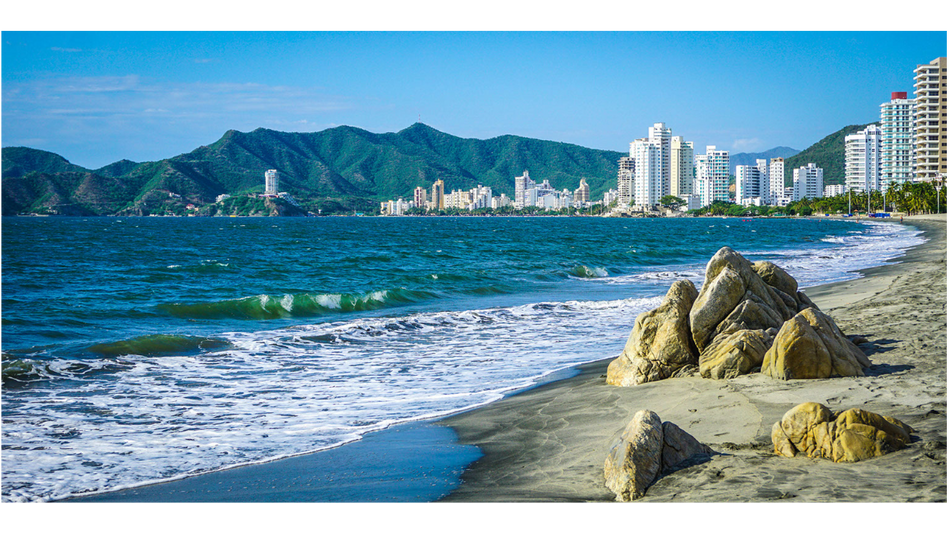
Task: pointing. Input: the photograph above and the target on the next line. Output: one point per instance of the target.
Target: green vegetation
(828, 154)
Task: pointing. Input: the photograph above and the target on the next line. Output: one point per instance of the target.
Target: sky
(96, 97)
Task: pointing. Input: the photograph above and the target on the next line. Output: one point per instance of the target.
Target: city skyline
(96, 97)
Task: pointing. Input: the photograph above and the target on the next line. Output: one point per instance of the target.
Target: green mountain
(337, 169)
(748, 158)
(828, 154)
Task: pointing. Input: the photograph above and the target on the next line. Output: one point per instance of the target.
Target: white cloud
(743, 145)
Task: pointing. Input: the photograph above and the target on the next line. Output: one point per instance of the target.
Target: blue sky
(97, 97)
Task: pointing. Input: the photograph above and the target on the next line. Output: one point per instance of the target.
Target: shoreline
(548, 443)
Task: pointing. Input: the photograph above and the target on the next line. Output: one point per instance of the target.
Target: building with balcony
(271, 182)
(862, 159)
(808, 182)
(930, 120)
(897, 140)
(682, 168)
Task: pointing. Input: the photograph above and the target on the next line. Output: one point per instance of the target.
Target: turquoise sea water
(145, 349)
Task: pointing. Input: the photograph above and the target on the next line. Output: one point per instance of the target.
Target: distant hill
(337, 169)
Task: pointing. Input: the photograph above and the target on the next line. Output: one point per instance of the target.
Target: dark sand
(549, 443)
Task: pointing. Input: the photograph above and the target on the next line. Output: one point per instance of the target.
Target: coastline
(549, 444)
(531, 440)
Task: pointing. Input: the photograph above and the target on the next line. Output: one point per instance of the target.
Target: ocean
(137, 350)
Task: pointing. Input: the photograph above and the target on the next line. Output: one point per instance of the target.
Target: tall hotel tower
(438, 195)
(647, 176)
(522, 184)
(776, 177)
(862, 159)
(420, 197)
(930, 88)
(662, 138)
(271, 182)
(712, 170)
(682, 169)
(897, 137)
(624, 180)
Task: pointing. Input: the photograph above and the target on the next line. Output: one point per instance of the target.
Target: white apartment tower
(751, 182)
(271, 182)
(420, 197)
(647, 176)
(776, 180)
(522, 184)
(862, 162)
(582, 194)
(930, 124)
(808, 182)
(713, 168)
(662, 137)
(897, 140)
(682, 170)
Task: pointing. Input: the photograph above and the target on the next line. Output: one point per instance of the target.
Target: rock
(804, 302)
(775, 277)
(635, 460)
(660, 343)
(647, 448)
(811, 346)
(735, 354)
(853, 435)
(731, 280)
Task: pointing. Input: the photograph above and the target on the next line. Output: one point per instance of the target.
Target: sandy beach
(548, 444)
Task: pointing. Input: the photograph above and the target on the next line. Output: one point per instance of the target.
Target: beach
(548, 443)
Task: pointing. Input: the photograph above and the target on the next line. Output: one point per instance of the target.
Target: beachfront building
(752, 186)
(502, 201)
(624, 180)
(897, 140)
(834, 190)
(647, 175)
(522, 184)
(862, 163)
(681, 170)
(930, 119)
(438, 195)
(582, 194)
(420, 197)
(776, 182)
(808, 182)
(271, 182)
(661, 137)
(610, 197)
(480, 198)
(712, 169)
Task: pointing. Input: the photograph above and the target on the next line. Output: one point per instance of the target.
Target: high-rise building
(438, 195)
(271, 182)
(420, 197)
(751, 183)
(582, 194)
(624, 180)
(522, 184)
(713, 168)
(647, 176)
(681, 170)
(808, 182)
(862, 160)
(776, 180)
(930, 124)
(662, 137)
(897, 140)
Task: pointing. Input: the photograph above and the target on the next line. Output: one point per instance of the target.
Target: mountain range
(335, 170)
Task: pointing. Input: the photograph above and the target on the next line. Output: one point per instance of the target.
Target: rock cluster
(647, 448)
(849, 436)
(747, 316)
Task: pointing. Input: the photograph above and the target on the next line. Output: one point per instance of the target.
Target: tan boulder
(811, 429)
(647, 448)
(734, 354)
(731, 280)
(660, 343)
(811, 346)
(775, 277)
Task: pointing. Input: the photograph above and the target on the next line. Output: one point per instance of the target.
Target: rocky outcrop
(730, 327)
(811, 346)
(647, 448)
(661, 342)
(849, 436)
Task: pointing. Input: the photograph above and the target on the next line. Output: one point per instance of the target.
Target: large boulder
(850, 436)
(647, 448)
(660, 343)
(735, 354)
(736, 295)
(810, 345)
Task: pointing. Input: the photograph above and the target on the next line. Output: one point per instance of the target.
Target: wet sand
(549, 444)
